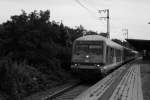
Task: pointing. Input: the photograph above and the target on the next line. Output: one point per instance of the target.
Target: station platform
(129, 82)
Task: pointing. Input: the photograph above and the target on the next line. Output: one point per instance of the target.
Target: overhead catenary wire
(89, 11)
(86, 8)
(82, 5)
(91, 6)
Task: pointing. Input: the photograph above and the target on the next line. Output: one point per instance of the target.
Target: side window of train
(115, 52)
(118, 55)
(107, 54)
(112, 52)
(107, 50)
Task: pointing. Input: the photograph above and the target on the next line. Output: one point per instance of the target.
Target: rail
(61, 92)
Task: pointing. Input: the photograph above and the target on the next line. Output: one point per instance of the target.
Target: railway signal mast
(107, 18)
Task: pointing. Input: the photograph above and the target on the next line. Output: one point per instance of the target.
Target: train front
(87, 58)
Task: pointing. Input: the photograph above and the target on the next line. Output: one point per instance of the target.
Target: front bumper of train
(90, 69)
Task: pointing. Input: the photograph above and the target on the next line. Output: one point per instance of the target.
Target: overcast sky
(133, 15)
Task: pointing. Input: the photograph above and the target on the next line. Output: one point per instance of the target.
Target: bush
(34, 53)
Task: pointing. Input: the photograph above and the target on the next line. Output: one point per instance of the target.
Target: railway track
(68, 93)
(71, 94)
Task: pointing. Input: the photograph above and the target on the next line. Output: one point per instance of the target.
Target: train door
(115, 56)
(118, 55)
(107, 55)
(112, 56)
(104, 53)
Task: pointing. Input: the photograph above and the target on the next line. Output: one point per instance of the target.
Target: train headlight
(87, 56)
(75, 64)
(98, 65)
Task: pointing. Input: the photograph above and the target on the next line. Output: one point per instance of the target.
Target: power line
(83, 6)
(92, 13)
(92, 6)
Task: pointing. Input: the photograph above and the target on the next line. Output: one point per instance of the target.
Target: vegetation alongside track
(35, 53)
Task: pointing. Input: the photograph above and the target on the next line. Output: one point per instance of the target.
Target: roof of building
(140, 44)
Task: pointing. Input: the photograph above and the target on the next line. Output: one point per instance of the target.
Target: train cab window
(80, 49)
(90, 47)
(96, 49)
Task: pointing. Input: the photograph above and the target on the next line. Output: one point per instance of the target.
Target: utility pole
(107, 18)
(108, 24)
(125, 32)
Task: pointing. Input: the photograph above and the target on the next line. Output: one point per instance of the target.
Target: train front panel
(87, 57)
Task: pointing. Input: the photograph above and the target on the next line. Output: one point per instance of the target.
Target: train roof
(91, 38)
(100, 38)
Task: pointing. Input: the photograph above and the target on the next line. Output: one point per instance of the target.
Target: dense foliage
(34, 53)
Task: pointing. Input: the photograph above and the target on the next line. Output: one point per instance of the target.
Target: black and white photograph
(74, 50)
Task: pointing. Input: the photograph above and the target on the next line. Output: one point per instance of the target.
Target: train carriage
(97, 55)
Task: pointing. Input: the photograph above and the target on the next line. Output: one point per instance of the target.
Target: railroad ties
(122, 84)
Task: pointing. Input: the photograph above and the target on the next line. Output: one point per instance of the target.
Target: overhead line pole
(108, 23)
(125, 32)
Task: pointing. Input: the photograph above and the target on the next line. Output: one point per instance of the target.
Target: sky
(133, 15)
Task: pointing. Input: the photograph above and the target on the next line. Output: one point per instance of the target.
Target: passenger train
(95, 56)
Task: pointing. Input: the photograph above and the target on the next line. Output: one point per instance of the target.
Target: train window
(118, 55)
(112, 52)
(95, 49)
(95, 46)
(107, 55)
(92, 47)
(79, 49)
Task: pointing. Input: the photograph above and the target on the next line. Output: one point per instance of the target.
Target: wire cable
(83, 6)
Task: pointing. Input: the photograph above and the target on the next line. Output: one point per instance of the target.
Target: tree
(117, 41)
(104, 34)
(91, 33)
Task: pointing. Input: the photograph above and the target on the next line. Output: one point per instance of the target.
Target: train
(94, 56)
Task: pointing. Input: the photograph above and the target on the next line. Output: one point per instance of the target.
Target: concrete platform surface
(145, 76)
(126, 83)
